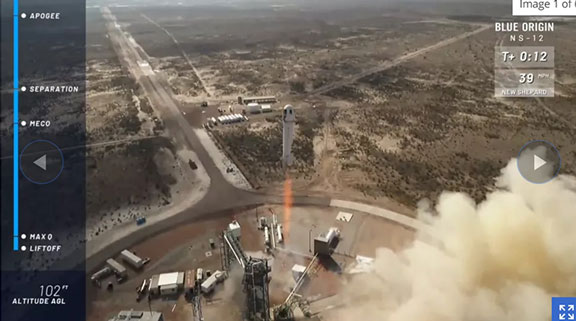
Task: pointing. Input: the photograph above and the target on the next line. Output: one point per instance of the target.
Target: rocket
(288, 120)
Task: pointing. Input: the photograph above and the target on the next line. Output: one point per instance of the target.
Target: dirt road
(204, 87)
(159, 97)
(393, 63)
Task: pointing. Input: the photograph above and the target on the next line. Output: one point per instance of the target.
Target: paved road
(222, 198)
(393, 63)
(161, 99)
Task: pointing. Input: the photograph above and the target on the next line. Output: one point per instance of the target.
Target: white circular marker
(23, 123)
(23, 16)
(23, 236)
(23, 88)
(23, 248)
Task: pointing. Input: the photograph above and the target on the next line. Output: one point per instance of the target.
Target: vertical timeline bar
(16, 148)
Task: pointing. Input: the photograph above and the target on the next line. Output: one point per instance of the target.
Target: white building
(167, 283)
(254, 108)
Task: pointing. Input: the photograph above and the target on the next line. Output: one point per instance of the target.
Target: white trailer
(118, 268)
(132, 259)
(101, 274)
(208, 285)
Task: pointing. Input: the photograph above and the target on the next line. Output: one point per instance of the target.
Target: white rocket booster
(288, 120)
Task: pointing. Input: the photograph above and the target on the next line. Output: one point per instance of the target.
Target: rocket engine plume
(287, 206)
(499, 260)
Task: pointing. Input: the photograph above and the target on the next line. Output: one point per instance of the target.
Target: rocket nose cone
(288, 113)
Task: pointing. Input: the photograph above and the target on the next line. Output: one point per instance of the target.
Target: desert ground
(134, 168)
(420, 118)
(393, 107)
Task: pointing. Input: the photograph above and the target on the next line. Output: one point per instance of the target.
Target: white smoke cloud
(502, 259)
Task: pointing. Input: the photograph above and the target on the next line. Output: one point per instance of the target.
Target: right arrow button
(539, 162)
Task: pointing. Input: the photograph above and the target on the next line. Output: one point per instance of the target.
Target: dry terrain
(414, 129)
(246, 52)
(133, 167)
(406, 108)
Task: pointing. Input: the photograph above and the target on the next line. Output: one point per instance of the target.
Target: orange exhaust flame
(287, 206)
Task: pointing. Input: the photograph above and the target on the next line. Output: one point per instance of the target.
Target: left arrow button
(41, 162)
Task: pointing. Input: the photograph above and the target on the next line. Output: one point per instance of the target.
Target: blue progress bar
(15, 158)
